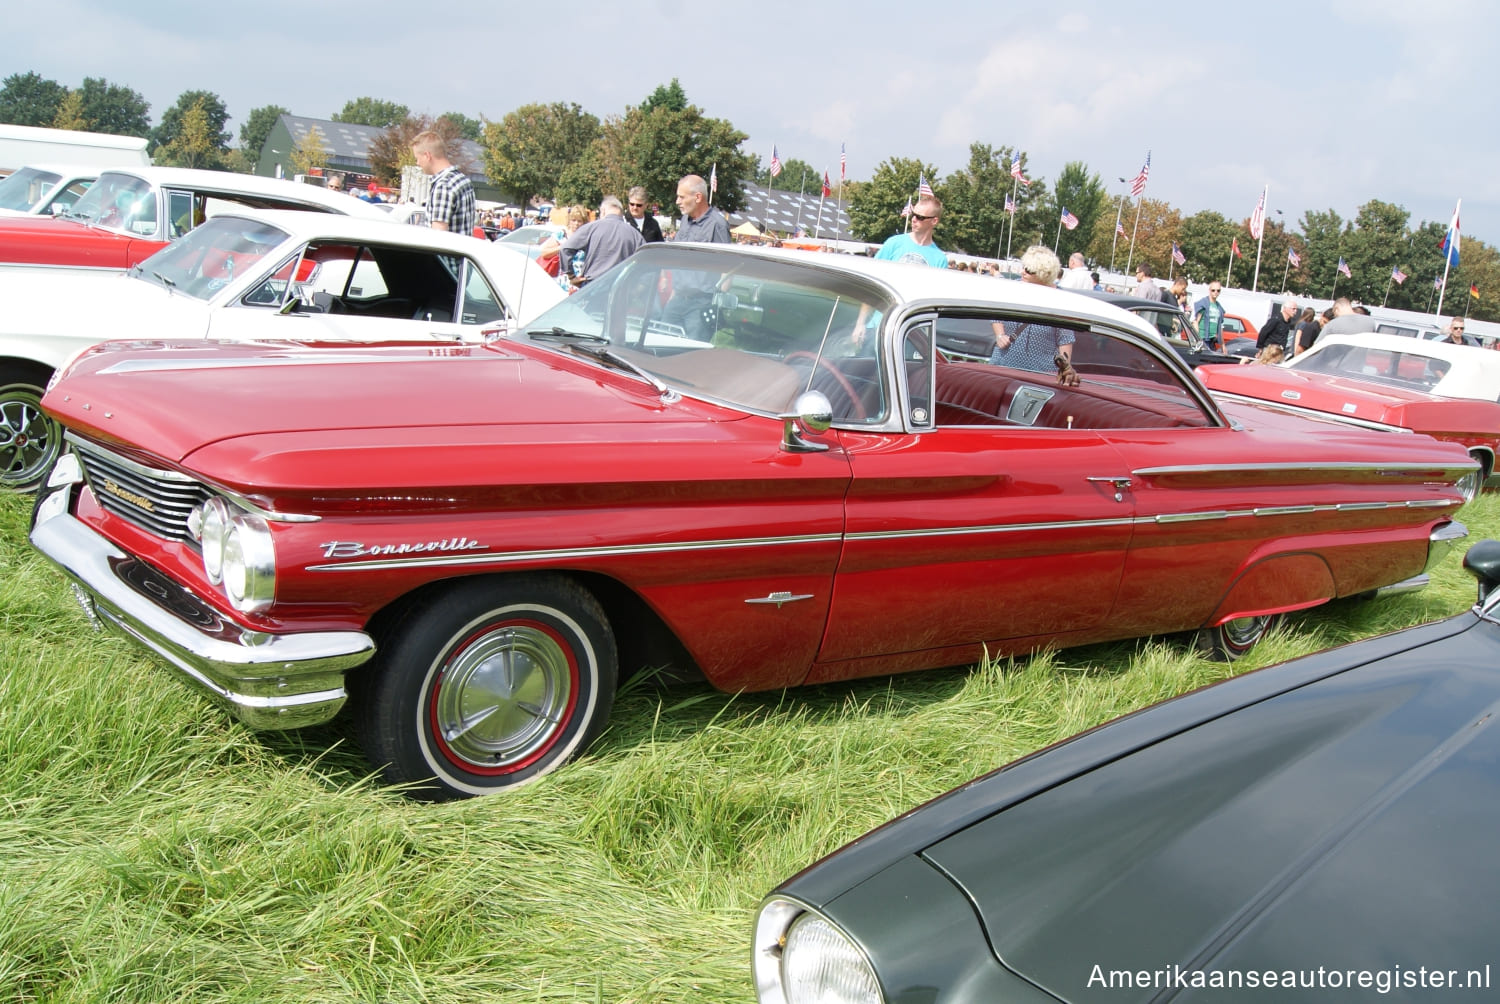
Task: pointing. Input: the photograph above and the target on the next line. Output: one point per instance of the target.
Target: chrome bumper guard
(267, 681)
(1444, 538)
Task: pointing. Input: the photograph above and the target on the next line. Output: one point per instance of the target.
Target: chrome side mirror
(811, 414)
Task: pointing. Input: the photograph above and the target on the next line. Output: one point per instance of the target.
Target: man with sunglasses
(917, 247)
(640, 219)
(1208, 318)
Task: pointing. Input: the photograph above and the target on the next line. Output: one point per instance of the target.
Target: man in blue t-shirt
(917, 247)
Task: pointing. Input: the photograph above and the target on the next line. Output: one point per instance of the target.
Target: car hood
(50, 240)
(84, 307)
(1308, 829)
(279, 411)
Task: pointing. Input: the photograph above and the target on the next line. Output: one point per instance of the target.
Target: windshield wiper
(557, 334)
(165, 281)
(620, 362)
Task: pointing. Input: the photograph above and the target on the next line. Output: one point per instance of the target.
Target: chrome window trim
(1304, 412)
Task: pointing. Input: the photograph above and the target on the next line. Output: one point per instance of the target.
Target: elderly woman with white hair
(1027, 345)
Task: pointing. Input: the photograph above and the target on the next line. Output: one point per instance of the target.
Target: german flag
(1474, 291)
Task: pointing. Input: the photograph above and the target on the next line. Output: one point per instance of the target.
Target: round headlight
(802, 958)
(249, 567)
(212, 530)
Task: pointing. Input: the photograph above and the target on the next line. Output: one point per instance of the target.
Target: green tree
(669, 96)
(195, 141)
(875, 206)
(70, 113)
(30, 99)
(1082, 194)
(974, 217)
(113, 108)
(1323, 234)
(172, 124)
(528, 150)
(372, 112)
(309, 152)
(470, 129)
(256, 129)
(391, 150)
(793, 171)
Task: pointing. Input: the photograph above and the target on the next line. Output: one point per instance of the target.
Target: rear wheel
(1233, 638)
(29, 440)
(488, 686)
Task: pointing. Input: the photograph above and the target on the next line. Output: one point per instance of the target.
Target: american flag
(1015, 170)
(1293, 257)
(1398, 276)
(1234, 248)
(1119, 228)
(923, 189)
(1138, 183)
(907, 210)
(1177, 255)
(1068, 219)
(1010, 204)
(1258, 218)
(1344, 269)
(775, 162)
(713, 180)
(843, 162)
(1437, 282)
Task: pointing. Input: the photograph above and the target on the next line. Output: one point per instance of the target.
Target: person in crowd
(371, 193)
(1076, 275)
(1145, 287)
(640, 218)
(1454, 333)
(1346, 320)
(1279, 326)
(1270, 355)
(1208, 318)
(1309, 328)
(1179, 294)
(1026, 345)
(917, 247)
(1098, 286)
(701, 222)
(335, 182)
(450, 200)
(551, 256)
(603, 244)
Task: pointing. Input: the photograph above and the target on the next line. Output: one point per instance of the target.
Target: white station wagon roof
(250, 184)
(1472, 372)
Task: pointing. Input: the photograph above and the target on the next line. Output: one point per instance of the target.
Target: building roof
(349, 144)
(771, 209)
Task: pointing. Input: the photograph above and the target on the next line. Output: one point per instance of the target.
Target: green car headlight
(803, 958)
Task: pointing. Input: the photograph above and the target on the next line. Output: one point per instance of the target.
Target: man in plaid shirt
(450, 200)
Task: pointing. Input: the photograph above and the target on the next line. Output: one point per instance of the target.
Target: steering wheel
(855, 403)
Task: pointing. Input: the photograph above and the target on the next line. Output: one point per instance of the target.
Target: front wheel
(29, 440)
(487, 686)
(1232, 639)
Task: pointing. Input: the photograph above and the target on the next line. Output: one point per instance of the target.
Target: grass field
(154, 851)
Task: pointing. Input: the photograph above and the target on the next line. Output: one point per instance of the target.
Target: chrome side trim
(1334, 467)
(1306, 412)
(780, 597)
(267, 681)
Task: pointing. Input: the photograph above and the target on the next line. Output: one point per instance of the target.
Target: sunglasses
(637, 205)
(924, 219)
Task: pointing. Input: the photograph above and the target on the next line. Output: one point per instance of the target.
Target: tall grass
(153, 850)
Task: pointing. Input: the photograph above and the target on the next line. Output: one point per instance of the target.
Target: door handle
(1121, 485)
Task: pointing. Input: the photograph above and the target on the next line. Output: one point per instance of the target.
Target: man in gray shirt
(700, 221)
(605, 242)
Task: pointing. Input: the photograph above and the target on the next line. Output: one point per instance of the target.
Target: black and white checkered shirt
(451, 201)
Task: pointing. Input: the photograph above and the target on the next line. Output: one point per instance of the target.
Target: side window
(68, 196)
(367, 282)
(917, 360)
(183, 213)
(480, 304)
(1120, 384)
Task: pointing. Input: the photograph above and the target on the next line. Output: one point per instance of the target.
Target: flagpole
(1135, 230)
(1448, 256)
(1229, 267)
(1115, 240)
(800, 196)
(1058, 239)
(1467, 300)
(1010, 231)
(1430, 294)
(1171, 263)
(1389, 279)
(1285, 272)
(818, 226)
(1255, 282)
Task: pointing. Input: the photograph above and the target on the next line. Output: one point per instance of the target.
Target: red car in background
(1380, 381)
(131, 213)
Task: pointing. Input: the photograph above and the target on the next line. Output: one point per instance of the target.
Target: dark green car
(1321, 830)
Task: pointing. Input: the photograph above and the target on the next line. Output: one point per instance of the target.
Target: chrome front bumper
(268, 681)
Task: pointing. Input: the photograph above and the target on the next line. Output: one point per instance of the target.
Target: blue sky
(1329, 102)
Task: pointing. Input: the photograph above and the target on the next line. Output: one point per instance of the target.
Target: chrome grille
(157, 501)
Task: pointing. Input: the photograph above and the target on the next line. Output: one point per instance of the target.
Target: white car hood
(49, 314)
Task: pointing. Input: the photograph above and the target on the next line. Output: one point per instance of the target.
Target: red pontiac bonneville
(130, 213)
(747, 461)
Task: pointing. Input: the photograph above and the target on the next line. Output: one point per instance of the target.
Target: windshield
(1402, 369)
(120, 202)
(749, 332)
(26, 187)
(207, 259)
